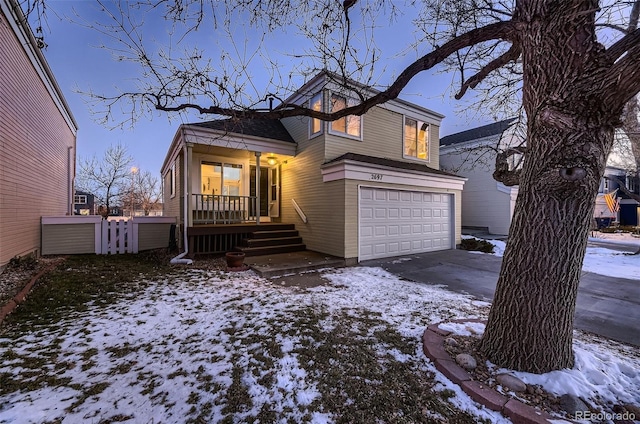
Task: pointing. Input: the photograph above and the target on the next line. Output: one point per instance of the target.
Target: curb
(519, 413)
(12, 304)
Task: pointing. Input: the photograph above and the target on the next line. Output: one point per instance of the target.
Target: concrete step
(271, 250)
(279, 241)
(293, 264)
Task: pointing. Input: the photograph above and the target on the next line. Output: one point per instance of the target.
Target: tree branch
(511, 55)
(496, 31)
(503, 174)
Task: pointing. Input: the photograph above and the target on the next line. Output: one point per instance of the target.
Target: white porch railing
(223, 209)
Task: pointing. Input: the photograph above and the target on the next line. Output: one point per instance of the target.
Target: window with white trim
(350, 125)
(80, 199)
(315, 125)
(172, 180)
(416, 139)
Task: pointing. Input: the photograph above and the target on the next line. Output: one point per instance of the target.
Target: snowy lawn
(203, 346)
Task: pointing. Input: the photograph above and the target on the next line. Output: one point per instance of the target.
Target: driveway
(606, 306)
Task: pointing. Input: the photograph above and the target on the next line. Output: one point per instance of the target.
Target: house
(38, 139)
(486, 203)
(84, 203)
(361, 187)
(622, 209)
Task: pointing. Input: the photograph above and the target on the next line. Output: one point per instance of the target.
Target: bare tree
(147, 191)
(572, 74)
(106, 178)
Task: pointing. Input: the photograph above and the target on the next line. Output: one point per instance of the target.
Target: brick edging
(519, 412)
(13, 303)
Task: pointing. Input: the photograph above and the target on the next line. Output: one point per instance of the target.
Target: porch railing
(222, 209)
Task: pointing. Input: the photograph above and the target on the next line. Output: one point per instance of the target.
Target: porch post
(258, 154)
(187, 175)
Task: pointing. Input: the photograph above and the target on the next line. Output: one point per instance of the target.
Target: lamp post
(134, 171)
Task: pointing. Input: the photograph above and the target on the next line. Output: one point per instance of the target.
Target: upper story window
(172, 180)
(350, 125)
(80, 199)
(416, 139)
(631, 183)
(315, 125)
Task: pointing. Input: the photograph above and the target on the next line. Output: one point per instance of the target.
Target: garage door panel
(396, 222)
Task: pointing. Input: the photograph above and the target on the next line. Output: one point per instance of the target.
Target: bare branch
(511, 55)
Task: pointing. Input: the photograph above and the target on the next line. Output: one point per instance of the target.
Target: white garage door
(395, 222)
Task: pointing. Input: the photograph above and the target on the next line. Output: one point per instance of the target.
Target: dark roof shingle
(266, 128)
(413, 166)
(476, 133)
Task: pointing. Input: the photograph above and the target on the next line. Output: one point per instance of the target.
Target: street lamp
(134, 171)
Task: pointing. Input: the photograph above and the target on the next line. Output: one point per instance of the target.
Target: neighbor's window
(351, 124)
(416, 139)
(80, 199)
(315, 104)
(172, 180)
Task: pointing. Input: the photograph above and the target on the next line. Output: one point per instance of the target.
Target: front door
(269, 190)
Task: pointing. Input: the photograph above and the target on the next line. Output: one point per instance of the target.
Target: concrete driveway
(606, 306)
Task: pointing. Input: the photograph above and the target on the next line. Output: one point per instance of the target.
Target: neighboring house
(357, 188)
(84, 203)
(489, 205)
(626, 210)
(37, 139)
(486, 203)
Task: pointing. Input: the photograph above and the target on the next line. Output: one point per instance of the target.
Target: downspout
(180, 258)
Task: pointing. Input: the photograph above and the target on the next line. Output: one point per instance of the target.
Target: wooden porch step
(271, 250)
(271, 234)
(276, 241)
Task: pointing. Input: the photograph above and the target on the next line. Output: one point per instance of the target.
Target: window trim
(428, 142)
(360, 117)
(312, 134)
(172, 180)
(79, 198)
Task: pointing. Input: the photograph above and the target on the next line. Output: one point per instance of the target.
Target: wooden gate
(118, 236)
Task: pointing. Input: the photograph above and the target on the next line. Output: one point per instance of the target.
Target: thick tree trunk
(569, 135)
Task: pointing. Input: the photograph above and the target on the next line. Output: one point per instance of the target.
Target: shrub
(475, 244)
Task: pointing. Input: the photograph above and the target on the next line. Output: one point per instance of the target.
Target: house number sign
(376, 177)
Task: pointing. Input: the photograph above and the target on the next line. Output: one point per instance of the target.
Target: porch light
(272, 160)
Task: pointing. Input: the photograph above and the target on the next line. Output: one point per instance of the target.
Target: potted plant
(235, 259)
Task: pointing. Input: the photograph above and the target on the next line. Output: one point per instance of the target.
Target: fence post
(133, 237)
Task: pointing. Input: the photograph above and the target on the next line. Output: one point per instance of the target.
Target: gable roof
(412, 166)
(265, 128)
(476, 133)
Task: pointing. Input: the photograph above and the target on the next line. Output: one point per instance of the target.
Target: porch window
(350, 125)
(221, 178)
(315, 126)
(416, 139)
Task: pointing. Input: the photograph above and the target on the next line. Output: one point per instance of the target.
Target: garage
(397, 222)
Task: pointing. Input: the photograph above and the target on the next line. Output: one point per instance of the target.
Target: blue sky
(79, 64)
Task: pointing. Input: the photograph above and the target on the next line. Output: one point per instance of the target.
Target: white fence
(115, 235)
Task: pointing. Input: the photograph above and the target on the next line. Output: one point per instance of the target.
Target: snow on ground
(600, 260)
(174, 351)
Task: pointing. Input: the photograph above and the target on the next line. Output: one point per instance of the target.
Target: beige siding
(483, 205)
(153, 236)
(322, 203)
(351, 213)
(68, 239)
(173, 204)
(35, 138)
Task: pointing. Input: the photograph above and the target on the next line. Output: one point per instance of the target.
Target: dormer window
(416, 139)
(315, 125)
(350, 125)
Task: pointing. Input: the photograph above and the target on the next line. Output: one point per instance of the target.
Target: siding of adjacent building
(483, 204)
(69, 239)
(37, 151)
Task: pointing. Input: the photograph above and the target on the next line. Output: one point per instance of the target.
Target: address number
(376, 177)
